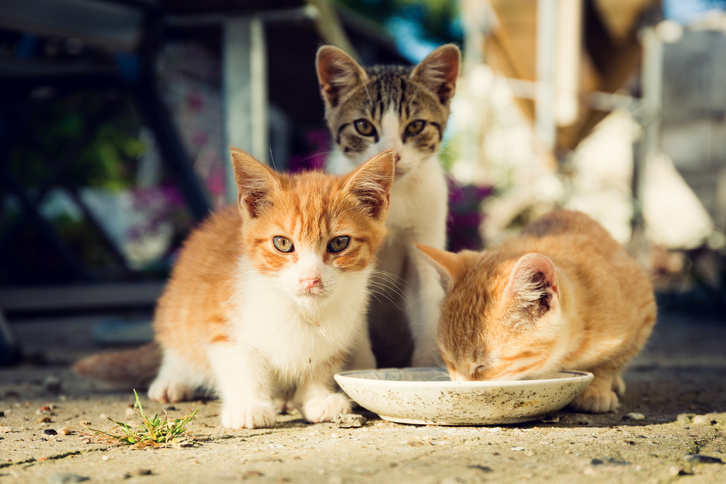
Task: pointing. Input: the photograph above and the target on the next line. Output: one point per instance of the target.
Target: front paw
(167, 391)
(594, 400)
(324, 408)
(250, 416)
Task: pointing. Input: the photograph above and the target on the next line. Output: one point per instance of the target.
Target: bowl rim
(350, 375)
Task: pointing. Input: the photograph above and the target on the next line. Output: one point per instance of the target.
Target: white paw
(324, 408)
(250, 416)
(167, 391)
(593, 400)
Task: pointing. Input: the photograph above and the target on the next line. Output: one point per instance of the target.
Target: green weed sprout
(152, 432)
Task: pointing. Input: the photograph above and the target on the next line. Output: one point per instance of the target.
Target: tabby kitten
(563, 295)
(405, 109)
(268, 298)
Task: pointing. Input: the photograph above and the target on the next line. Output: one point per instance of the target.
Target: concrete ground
(678, 385)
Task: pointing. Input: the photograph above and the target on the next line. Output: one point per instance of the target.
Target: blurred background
(115, 116)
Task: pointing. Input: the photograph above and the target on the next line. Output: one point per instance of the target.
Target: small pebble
(703, 420)
(676, 471)
(634, 416)
(517, 449)
(2, 414)
(485, 469)
(44, 420)
(50, 432)
(350, 420)
(103, 416)
(65, 431)
(251, 473)
(142, 472)
(130, 412)
(170, 408)
(65, 477)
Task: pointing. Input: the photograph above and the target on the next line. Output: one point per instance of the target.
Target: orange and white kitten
(268, 299)
(563, 295)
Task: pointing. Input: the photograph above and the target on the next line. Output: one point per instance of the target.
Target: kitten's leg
(177, 380)
(619, 385)
(424, 295)
(599, 396)
(243, 385)
(316, 400)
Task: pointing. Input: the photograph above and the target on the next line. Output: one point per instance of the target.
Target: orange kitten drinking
(563, 295)
(268, 299)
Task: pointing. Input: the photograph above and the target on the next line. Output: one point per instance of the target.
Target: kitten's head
(380, 108)
(500, 317)
(313, 234)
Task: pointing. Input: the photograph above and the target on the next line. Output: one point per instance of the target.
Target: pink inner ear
(527, 268)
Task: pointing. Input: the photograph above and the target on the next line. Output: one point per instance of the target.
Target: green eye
(364, 127)
(338, 244)
(415, 127)
(283, 244)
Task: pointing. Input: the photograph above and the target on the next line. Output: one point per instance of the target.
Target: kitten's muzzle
(311, 283)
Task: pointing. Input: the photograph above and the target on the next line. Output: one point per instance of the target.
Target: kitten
(405, 109)
(563, 295)
(267, 299)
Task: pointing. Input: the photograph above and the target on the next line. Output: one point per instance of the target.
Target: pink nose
(310, 282)
(397, 158)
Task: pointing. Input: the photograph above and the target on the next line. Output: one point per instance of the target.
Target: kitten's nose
(397, 157)
(310, 282)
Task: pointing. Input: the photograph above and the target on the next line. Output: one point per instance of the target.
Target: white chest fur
(290, 339)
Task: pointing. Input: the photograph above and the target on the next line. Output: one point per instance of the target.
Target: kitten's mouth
(312, 293)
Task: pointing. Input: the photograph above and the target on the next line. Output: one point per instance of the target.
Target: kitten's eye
(283, 244)
(364, 127)
(415, 127)
(338, 244)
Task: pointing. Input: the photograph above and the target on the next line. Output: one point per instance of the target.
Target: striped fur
(563, 295)
(405, 109)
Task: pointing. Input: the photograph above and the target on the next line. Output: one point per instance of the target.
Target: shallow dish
(428, 396)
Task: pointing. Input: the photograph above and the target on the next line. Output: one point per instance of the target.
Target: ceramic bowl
(428, 396)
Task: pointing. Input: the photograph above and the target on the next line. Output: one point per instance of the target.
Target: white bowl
(428, 396)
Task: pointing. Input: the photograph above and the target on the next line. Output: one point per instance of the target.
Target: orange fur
(134, 368)
(306, 207)
(563, 295)
(201, 310)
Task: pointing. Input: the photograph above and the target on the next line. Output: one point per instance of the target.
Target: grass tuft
(152, 432)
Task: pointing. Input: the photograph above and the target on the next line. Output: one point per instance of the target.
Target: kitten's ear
(533, 284)
(450, 266)
(255, 183)
(371, 183)
(439, 71)
(337, 73)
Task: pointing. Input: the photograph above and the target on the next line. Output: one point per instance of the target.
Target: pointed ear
(439, 71)
(337, 73)
(255, 183)
(450, 266)
(371, 183)
(533, 284)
